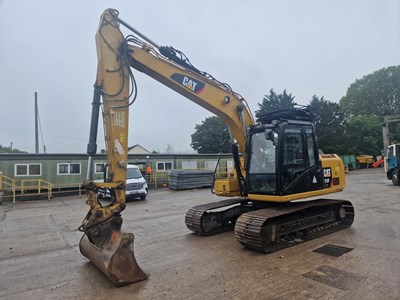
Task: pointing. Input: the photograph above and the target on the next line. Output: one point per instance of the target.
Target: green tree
(365, 135)
(374, 94)
(10, 150)
(329, 125)
(210, 135)
(271, 102)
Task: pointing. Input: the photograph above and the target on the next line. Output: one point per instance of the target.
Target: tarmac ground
(40, 258)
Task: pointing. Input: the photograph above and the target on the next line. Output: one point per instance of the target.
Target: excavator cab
(283, 154)
(283, 159)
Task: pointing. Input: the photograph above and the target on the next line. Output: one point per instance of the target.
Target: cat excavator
(277, 164)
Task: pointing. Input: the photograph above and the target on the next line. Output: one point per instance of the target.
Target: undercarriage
(273, 226)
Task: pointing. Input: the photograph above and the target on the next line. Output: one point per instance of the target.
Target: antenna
(38, 126)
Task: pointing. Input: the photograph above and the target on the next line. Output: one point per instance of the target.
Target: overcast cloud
(307, 47)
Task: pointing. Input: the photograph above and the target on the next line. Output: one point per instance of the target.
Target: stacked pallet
(190, 179)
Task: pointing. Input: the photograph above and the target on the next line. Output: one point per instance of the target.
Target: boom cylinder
(94, 124)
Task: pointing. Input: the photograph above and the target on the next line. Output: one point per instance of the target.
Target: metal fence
(11, 188)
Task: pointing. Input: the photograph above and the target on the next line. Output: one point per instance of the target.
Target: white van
(136, 185)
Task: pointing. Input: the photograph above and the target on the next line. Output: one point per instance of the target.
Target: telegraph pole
(36, 125)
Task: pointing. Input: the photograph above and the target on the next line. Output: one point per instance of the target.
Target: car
(136, 185)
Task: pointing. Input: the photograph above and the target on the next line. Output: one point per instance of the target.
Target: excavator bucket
(116, 258)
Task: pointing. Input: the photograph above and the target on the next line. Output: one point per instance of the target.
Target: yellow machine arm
(115, 85)
(173, 70)
(207, 92)
(109, 248)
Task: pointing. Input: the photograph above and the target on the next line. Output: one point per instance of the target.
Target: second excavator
(277, 165)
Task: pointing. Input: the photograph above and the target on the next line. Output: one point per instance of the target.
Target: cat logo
(328, 182)
(327, 172)
(190, 83)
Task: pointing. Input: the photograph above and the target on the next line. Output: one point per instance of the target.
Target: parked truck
(393, 163)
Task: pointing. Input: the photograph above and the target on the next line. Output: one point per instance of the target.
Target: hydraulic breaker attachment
(109, 248)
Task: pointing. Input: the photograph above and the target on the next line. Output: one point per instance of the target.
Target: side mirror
(271, 135)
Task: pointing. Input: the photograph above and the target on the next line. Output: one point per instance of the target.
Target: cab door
(300, 169)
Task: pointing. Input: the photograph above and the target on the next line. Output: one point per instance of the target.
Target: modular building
(68, 171)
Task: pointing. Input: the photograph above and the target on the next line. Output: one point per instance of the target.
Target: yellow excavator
(277, 164)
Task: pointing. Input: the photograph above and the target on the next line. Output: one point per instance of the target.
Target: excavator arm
(114, 92)
(104, 243)
(205, 91)
(171, 68)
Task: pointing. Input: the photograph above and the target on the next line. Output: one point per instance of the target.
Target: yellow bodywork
(365, 159)
(227, 187)
(334, 181)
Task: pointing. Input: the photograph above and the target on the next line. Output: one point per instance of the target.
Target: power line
(46, 135)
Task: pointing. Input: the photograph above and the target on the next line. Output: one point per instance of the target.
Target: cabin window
(164, 166)
(68, 168)
(28, 170)
(99, 168)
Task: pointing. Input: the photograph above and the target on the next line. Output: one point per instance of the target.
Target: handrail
(22, 185)
(13, 185)
(8, 182)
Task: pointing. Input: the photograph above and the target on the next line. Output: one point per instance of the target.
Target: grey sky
(307, 47)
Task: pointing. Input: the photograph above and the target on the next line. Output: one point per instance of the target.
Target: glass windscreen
(133, 173)
(262, 168)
